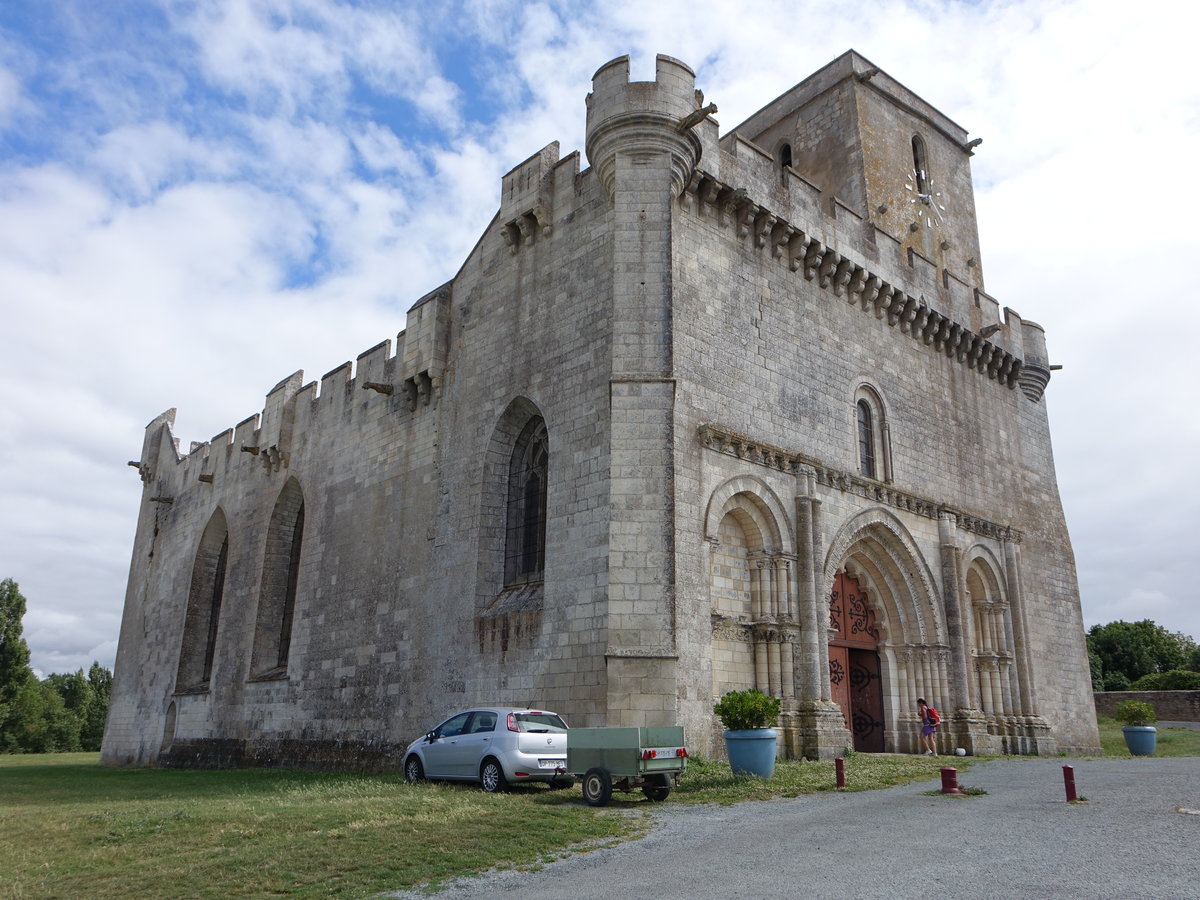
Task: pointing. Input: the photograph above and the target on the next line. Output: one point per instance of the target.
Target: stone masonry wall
(1170, 706)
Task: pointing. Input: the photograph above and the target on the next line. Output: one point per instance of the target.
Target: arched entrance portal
(854, 671)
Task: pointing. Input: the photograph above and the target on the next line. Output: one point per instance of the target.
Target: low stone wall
(1171, 706)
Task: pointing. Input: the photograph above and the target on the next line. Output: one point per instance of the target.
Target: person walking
(929, 724)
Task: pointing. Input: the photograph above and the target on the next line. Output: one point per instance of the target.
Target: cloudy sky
(198, 197)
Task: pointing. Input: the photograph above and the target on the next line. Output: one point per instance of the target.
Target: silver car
(494, 746)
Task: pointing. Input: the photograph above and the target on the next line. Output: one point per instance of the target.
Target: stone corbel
(781, 235)
(812, 259)
(842, 276)
(274, 459)
(888, 297)
(856, 284)
(829, 264)
(797, 248)
(419, 389)
(410, 391)
(746, 211)
(727, 203)
(542, 218)
(512, 237)
(762, 228)
(690, 195)
(870, 290)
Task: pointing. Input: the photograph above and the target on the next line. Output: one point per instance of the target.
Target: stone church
(711, 412)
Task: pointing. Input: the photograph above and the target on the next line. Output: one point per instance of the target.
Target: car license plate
(549, 763)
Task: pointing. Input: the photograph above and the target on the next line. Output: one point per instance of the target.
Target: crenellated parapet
(406, 383)
(641, 120)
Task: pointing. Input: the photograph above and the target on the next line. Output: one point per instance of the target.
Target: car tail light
(512, 723)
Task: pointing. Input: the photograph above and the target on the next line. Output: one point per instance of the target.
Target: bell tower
(868, 141)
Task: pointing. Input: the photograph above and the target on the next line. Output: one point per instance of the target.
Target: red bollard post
(950, 780)
(1069, 783)
(839, 766)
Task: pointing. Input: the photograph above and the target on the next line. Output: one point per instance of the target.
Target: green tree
(17, 697)
(101, 680)
(1097, 668)
(1129, 650)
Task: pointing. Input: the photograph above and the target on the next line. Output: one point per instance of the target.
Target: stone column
(821, 732)
(1012, 566)
(956, 633)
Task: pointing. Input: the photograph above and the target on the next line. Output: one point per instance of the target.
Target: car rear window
(539, 722)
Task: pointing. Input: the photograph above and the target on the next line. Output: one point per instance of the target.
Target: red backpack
(934, 718)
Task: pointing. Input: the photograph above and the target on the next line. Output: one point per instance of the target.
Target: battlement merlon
(426, 344)
(646, 118)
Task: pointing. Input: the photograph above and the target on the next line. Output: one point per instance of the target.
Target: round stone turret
(1035, 367)
(644, 120)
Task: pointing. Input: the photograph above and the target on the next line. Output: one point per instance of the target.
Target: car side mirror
(431, 737)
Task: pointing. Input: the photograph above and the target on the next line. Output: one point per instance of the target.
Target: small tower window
(785, 155)
(920, 164)
(866, 440)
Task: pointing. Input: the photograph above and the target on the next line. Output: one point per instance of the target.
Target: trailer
(624, 759)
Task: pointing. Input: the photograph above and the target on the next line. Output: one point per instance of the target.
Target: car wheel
(657, 790)
(597, 787)
(491, 776)
(413, 770)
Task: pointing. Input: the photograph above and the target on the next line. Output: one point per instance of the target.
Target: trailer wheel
(658, 789)
(597, 787)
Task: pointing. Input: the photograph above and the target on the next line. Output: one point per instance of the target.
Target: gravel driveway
(1137, 835)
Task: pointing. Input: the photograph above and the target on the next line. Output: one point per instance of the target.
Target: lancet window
(280, 583)
(203, 615)
(525, 533)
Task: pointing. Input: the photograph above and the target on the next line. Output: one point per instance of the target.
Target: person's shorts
(928, 729)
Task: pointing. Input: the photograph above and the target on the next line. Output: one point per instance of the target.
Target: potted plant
(1140, 735)
(749, 719)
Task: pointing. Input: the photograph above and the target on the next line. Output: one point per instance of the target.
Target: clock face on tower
(926, 202)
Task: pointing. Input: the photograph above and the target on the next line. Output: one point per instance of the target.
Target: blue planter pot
(752, 752)
(1141, 739)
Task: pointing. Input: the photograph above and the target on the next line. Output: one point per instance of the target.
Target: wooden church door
(854, 663)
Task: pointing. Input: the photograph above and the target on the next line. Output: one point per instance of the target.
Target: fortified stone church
(713, 412)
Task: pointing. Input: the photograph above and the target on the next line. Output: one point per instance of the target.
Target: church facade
(714, 412)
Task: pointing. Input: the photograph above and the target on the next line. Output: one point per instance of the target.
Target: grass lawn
(1169, 741)
(70, 828)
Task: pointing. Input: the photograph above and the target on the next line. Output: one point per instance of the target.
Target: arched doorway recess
(854, 671)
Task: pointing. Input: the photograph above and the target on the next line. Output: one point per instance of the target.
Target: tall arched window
(202, 618)
(525, 532)
(281, 572)
(872, 436)
(785, 155)
(866, 440)
(920, 164)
